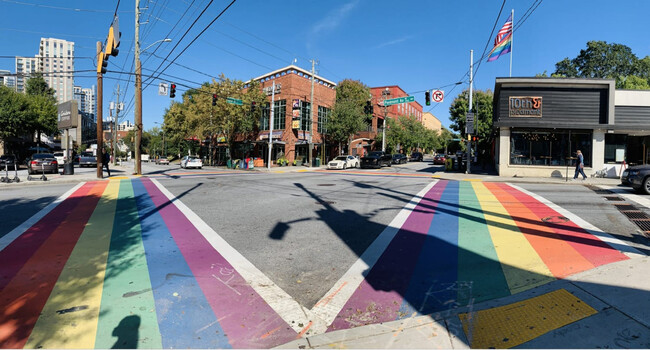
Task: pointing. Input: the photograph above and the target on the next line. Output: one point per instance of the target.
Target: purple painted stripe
(246, 318)
(379, 296)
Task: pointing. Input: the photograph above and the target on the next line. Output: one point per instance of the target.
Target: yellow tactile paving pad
(510, 325)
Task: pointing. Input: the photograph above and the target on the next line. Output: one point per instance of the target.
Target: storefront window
(549, 147)
(615, 148)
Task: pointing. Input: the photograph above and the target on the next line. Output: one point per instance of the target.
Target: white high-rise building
(7, 79)
(24, 67)
(56, 62)
(86, 100)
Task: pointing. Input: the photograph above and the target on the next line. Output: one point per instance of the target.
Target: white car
(60, 158)
(191, 162)
(343, 162)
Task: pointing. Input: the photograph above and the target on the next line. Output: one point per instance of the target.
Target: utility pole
(117, 115)
(469, 136)
(311, 116)
(138, 91)
(268, 164)
(100, 106)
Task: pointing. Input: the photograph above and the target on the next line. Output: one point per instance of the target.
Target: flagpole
(512, 38)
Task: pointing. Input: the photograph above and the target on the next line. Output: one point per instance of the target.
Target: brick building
(431, 122)
(295, 123)
(364, 141)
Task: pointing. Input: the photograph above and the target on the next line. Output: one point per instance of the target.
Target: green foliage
(483, 113)
(347, 116)
(410, 135)
(36, 85)
(14, 114)
(603, 60)
(196, 117)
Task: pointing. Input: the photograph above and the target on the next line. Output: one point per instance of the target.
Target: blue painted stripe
(185, 317)
(433, 286)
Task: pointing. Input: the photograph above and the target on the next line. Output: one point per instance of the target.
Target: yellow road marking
(514, 324)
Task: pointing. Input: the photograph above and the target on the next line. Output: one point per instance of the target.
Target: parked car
(191, 162)
(60, 158)
(7, 160)
(439, 159)
(343, 162)
(376, 159)
(399, 158)
(42, 162)
(639, 178)
(416, 157)
(162, 160)
(87, 159)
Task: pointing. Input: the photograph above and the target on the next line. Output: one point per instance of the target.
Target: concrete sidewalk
(617, 295)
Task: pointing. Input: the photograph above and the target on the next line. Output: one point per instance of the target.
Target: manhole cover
(614, 198)
(325, 185)
(326, 202)
(555, 219)
(211, 178)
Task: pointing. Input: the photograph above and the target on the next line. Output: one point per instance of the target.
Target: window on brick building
(323, 114)
(305, 120)
(279, 115)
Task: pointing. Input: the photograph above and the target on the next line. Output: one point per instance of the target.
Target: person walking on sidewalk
(580, 164)
(106, 158)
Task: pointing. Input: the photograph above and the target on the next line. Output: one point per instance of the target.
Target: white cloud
(393, 42)
(334, 18)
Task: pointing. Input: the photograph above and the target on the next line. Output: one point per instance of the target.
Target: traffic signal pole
(100, 106)
(469, 137)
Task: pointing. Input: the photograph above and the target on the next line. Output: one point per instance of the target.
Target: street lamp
(138, 93)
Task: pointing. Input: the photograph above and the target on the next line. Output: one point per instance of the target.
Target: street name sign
(234, 101)
(398, 100)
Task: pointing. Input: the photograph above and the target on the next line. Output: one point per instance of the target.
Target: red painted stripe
(589, 246)
(14, 256)
(25, 295)
(558, 255)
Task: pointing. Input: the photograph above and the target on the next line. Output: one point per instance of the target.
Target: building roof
(293, 69)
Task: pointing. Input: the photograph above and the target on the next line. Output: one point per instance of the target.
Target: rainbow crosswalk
(119, 264)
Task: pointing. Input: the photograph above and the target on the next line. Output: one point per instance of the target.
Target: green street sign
(398, 100)
(234, 101)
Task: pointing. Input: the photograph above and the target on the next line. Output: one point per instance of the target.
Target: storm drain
(614, 198)
(325, 185)
(636, 216)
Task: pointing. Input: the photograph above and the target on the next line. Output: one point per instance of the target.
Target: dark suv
(416, 157)
(639, 178)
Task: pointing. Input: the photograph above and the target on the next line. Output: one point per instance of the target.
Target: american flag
(504, 31)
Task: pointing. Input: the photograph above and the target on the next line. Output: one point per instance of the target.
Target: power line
(62, 8)
(496, 21)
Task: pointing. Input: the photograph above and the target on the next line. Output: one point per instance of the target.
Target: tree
(482, 101)
(43, 111)
(14, 114)
(347, 116)
(603, 60)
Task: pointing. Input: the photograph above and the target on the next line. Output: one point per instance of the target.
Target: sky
(417, 45)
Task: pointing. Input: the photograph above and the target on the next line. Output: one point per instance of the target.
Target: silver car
(40, 163)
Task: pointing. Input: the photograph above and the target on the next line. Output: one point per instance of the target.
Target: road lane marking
(282, 303)
(16, 232)
(614, 242)
(352, 279)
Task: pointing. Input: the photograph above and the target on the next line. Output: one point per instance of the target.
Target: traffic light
(172, 91)
(475, 138)
(427, 98)
(113, 40)
(253, 107)
(102, 62)
(214, 99)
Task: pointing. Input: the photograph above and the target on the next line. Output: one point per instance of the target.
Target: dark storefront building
(542, 122)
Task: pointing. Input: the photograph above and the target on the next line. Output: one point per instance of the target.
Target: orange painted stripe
(25, 295)
(304, 330)
(558, 255)
(589, 246)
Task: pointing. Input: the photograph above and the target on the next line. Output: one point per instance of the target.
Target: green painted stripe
(127, 318)
(479, 268)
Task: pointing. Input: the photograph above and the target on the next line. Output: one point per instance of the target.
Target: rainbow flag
(503, 41)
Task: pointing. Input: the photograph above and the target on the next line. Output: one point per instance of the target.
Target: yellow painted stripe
(476, 180)
(522, 266)
(514, 324)
(69, 318)
(118, 178)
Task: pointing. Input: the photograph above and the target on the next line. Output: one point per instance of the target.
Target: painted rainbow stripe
(118, 265)
(468, 242)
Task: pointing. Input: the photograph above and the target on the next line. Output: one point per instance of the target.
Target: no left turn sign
(438, 95)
